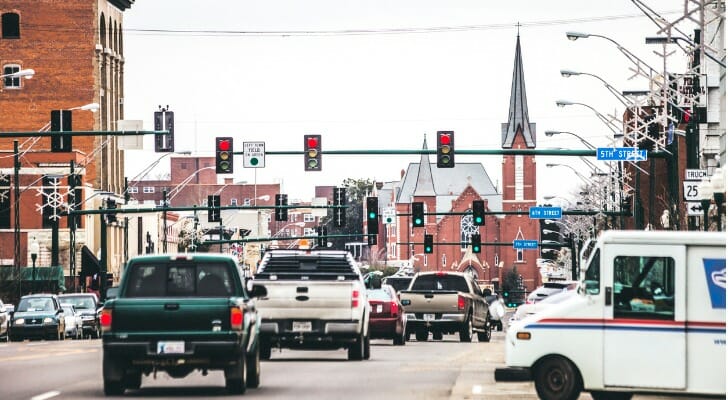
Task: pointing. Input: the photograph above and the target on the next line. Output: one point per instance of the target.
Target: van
(649, 317)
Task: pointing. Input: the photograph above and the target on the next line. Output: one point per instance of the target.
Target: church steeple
(518, 111)
(424, 185)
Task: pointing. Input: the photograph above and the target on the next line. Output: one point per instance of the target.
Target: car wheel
(356, 350)
(611, 395)
(113, 372)
(436, 335)
(466, 332)
(235, 377)
(367, 348)
(421, 335)
(485, 335)
(133, 380)
(265, 349)
(557, 378)
(253, 367)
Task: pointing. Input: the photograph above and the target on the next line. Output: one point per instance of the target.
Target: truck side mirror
(112, 292)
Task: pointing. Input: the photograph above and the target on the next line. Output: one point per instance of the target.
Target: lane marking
(44, 355)
(46, 395)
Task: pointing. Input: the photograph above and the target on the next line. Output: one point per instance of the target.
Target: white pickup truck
(649, 317)
(316, 300)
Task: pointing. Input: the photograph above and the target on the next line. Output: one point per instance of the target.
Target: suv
(40, 316)
(86, 305)
(548, 289)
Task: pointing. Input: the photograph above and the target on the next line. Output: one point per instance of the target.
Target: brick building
(76, 50)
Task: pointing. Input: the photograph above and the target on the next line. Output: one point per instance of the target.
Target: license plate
(301, 326)
(429, 317)
(379, 308)
(171, 347)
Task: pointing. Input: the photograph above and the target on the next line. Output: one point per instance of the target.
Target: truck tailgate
(427, 301)
(330, 300)
(170, 315)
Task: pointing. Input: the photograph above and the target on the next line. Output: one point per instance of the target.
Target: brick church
(452, 190)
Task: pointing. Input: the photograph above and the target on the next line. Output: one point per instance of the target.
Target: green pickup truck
(177, 313)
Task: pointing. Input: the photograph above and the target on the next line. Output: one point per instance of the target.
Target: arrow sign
(525, 244)
(694, 208)
(621, 154)
(544, 212)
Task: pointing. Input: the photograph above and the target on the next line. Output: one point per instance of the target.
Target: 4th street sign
(254, 154)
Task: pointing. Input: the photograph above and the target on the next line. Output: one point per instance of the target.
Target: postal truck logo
(715, 275)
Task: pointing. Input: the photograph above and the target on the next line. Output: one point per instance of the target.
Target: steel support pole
(103, 259)
(16, 212)
(72, 229)
(164, 222)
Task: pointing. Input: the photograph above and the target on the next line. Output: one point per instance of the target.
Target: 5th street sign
(253, 154)
(621, 154)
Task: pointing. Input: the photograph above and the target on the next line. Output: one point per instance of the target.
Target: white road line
(46, 395)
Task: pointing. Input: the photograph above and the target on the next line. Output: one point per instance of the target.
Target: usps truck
(649, 317)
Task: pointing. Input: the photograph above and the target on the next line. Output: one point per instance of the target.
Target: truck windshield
(440, 282)
(179, 280)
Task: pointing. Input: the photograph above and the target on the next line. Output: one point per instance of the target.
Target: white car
(524, 310)
(74, 324)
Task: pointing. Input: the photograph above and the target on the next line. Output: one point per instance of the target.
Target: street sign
(695, 209)
(544, 212)
(621, 154)
(525, 244)
(690, 190)
(254, 154)
(695, 174)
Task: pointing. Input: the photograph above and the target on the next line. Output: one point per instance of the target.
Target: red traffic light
(444, 139)
(223, 145)
(312, 141)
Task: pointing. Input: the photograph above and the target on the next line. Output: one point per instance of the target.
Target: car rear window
(80, 302)
(378, 294)
(440, 282)
(398, 283)
(179, 280)
(305, 266)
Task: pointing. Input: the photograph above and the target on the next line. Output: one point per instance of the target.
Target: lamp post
(674, 39)
(578, 174)
(616, 130)
(718, 184)
(34, 250)
(569, 73)
(704, 193)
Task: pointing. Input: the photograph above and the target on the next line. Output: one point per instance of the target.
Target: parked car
(496, 308)
(10, 308)
(74, 323)
(525, 310)
(38, 316)
(548, 289)
(398, 282)
(4, 321)
(87, 305)
(387, 318)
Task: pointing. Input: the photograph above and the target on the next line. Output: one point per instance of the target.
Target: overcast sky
(377, 75)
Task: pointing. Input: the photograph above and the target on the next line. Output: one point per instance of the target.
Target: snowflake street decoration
(54, 199)
(5, 191)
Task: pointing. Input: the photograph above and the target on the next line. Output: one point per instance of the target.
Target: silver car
(74, 323)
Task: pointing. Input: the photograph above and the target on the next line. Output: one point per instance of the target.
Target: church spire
(424, 185)
(518, 111)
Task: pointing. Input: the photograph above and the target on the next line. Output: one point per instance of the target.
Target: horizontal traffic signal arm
(509, 244)
(279, 238)
(128, 210)
(564, 212)
(81, 133)
(536, 152)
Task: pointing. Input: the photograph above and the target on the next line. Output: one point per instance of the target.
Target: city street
(433, 370)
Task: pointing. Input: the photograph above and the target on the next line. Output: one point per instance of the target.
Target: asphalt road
(42, 370)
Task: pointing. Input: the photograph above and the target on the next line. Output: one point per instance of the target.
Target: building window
(204, 202)
(5, 207)
(233, 202)
(11, 26)
(308, 218)
(467, 229)
(246, 201)
(519, 255)
(11, 83)
(148, 189)
(133, 189)
(309, 232)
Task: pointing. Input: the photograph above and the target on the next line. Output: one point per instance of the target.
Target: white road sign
(254, 154)
(695, 174)
(690, 190)
(695, 209)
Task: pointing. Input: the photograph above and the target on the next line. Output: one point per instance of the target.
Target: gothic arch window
(102, 30)
(467, 229)
(11, 25)
(471, 271)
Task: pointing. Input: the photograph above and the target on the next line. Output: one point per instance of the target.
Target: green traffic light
(476, 249)
(428, 249)
(372, 215)
(478, 220)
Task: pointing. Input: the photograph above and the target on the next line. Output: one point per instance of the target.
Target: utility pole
(16, 211)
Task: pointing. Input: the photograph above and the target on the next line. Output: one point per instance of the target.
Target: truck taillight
(236, 318)
(461, 303)
(393, 308)
(105, 319)
(354, 298)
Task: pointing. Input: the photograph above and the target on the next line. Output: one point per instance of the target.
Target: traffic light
(322, 232)
(61, 122)
(418, 214)
(372, 215)
(312, 152)
(339, 200)
(110, 205)
(223, 155)
(479, 212)
(428, 244)
(281, 210)
(213, 208)
(475, 242)
(445, 149)
(164, 120)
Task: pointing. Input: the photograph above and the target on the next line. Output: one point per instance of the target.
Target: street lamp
(568, 73)
(616, 130)
(578, 174)
(580, 35)
(673, 39)
(23, 73)
(34, 250)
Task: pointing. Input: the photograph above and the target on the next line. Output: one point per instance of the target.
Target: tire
(356, 350)
(133, 380)
(611, 395)
(367, 349)
(265, 349)
(111, 369)
(421, 335)
(466, 332)
(485, 336)
(399, 340)
(557, 378)
(253, 368)
(235, 377)
(436, 335)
